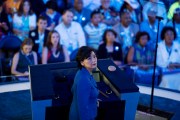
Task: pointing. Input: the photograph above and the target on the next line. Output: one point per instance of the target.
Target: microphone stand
(154, 68)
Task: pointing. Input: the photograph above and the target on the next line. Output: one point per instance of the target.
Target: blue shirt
(85, 93)
(152, 31)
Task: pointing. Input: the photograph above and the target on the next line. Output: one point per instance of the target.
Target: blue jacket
(85, 93)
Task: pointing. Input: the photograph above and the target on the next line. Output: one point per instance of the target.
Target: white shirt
(41, 42)
(72, 37)
(127, 38)
(159, 7)
(164, 58)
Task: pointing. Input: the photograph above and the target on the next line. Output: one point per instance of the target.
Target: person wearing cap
(81, 14)
(133, 7)
(159, 6)
(151, 26)
(108, 14)
(172, 8)
(175, 23)
(53, 17)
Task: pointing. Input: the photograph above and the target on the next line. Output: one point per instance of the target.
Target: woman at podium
(84, 89)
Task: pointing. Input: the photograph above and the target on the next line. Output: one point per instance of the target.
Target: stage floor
(16, 102)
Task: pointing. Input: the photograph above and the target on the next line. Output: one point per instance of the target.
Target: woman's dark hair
(165, 29)
(49, 44)
(140, 34)
(105, 33)
(20, 10)
(83, 53)
(27, 41)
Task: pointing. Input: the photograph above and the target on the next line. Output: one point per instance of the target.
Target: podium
(51, 91)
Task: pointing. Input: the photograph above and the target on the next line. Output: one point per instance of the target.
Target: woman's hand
(4, 26)
(98, 100)
(26, 73)
(172, 66)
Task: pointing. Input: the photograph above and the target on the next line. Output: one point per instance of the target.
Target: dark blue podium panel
(51, 81)
(118, 78)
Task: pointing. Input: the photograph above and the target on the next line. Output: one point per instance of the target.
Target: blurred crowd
(125, 31)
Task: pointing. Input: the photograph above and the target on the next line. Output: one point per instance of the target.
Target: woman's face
(55, 38)
(143, 40)
(90, 63)
(169, 37)
(26, 7)
(27, 49)
(110, 37)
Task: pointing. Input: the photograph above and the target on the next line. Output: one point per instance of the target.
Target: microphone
(159, 18)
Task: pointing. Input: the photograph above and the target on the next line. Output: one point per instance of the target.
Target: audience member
(116, 4)
(168, 59)
(109, 15)
(175, 23)
(126, 31)
(24, 20)
(53, 17)
(158, 6)
(142, 56)
(110, 48)
(172, 8)
(64, 5)
(71, 32)
(54, 51)
(38, 6)
(168, 52)
(81, 14)
(94, 30)
(133, 7)
(151, 27)
(39, 36)
(24, 58)
(4, 23)
(12, 6)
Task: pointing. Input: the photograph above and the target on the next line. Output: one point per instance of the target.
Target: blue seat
(73, 55)
(9, 45)
(10, 42)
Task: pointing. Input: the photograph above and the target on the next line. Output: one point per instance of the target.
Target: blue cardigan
(85, 93)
